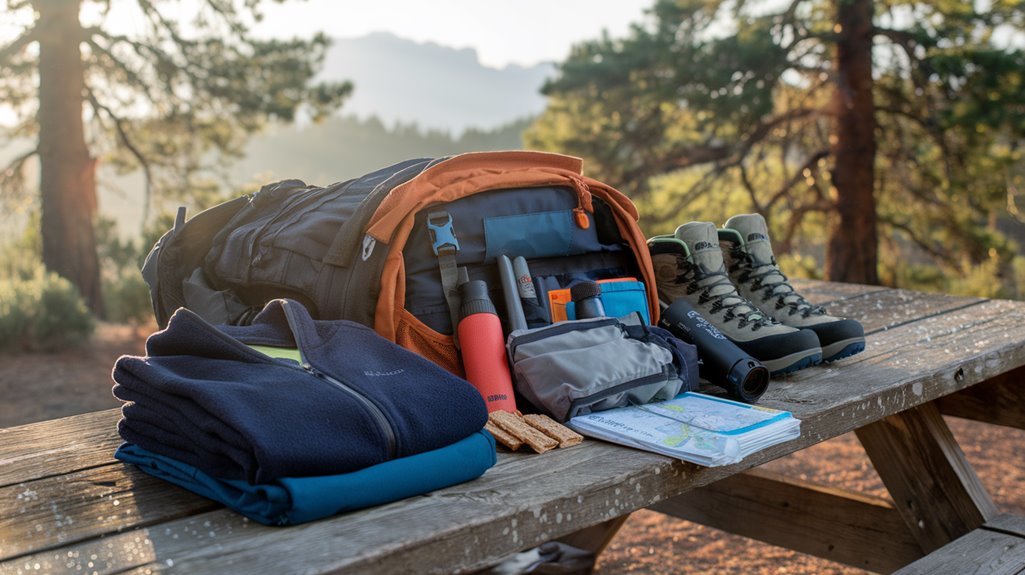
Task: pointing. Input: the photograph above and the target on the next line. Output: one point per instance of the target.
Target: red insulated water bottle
(483, 347)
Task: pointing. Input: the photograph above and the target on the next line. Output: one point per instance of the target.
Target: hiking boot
(689, 265)
(752, 267)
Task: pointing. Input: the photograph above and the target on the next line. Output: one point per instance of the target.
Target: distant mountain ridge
(433, 86)
(347, 147)
(410, 100)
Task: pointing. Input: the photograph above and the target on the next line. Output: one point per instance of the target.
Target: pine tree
(163, 99)
(877, 115)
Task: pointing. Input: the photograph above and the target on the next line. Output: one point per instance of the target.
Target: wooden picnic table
(67, 506)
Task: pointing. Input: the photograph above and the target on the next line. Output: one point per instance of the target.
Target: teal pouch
(620, 298)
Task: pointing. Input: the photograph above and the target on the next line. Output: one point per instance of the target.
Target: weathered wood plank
(1010, 524)
(456, 525)
(934, 487)
(882, 308)
(93, 502)
(1000, 401)
(865, 532)
(48, 448)
(820, 292)
(980, 552)
(910, 364)
(892, 308)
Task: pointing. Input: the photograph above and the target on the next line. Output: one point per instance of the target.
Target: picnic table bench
(67, 506)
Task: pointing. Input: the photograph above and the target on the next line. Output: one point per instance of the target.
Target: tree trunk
(67, 172)
(852, 251)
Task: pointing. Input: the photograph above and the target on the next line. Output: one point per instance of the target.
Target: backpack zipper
(555, 329)
(575, 183)
(375, 411)
(661, 375)
(584, 204)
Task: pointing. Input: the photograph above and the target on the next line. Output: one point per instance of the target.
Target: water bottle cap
(584, 290)
(474, 298)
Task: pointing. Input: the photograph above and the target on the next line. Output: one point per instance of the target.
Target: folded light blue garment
(292, 500)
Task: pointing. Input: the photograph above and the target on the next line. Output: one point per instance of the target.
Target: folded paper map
(694, 427)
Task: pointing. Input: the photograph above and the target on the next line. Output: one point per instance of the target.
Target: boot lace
(738, 308)
(760, 277)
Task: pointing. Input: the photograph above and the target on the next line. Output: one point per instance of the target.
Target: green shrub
(42, 313)
(126, 299)
(21, 257)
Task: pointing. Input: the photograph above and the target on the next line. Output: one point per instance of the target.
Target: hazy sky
(503, 31)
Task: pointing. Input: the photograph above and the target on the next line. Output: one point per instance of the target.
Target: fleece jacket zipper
(372, 408)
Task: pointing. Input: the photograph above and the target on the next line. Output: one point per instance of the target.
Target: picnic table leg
(933, 486)
(596, 537)
(1000, 400)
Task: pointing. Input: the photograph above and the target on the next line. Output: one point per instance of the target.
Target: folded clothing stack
(356, 421)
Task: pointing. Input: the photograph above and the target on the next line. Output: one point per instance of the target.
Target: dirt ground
(37, 387)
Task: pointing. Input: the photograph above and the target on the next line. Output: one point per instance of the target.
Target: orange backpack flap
(461, 177)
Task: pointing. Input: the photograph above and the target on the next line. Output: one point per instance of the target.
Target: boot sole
(793, 362)
(842, 349)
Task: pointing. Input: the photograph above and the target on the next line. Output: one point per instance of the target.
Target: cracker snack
(548, 426)
(502, 436)
(540, 432)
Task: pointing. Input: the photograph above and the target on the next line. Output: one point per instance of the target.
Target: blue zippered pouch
(620, 298)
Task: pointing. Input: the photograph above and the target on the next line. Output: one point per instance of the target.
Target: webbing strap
(446, 246)
(450, 283)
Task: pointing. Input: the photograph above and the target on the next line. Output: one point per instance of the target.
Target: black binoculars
(722, 362)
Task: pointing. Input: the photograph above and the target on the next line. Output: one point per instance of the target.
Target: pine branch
(12, 178)
(797, 177)
(226, 10)
(123, 136)
(132, 76)
(19, 160)
(751, 192)
(686, 157)
(159, 22)
(15, 46)
(161, 26)
(818, 203)
(906, 40)
(763, 129)
(913, 236)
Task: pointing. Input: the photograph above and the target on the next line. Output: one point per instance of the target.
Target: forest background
(882, 140)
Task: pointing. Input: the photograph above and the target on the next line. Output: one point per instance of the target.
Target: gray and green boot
(690, 265)
(752, 267)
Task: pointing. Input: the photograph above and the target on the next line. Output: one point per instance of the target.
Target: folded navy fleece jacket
(203, 396)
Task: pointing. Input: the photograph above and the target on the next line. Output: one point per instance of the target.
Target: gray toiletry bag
(577, 367)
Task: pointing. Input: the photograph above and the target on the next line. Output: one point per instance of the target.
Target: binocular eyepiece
(722, 362)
